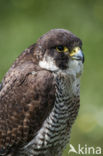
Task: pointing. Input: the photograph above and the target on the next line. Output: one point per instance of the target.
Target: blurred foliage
(22, 22)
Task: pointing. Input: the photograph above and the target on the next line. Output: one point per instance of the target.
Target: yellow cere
(74, 51)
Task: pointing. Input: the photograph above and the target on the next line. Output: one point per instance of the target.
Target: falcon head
(59, 49)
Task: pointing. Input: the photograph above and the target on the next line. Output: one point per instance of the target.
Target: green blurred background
(22, 22)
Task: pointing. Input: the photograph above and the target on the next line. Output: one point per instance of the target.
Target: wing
(26, 99)
(0, 86)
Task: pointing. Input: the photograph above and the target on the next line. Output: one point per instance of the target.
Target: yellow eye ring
(62, 49)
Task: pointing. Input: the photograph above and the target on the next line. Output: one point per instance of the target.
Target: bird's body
(40, 98)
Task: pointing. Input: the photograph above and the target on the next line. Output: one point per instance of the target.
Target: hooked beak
(77, 54)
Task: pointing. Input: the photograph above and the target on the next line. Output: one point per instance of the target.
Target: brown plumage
(30, 89)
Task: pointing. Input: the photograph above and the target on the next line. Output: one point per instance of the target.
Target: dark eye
(60, 48)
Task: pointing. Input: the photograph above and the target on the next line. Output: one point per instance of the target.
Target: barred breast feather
(55, 132)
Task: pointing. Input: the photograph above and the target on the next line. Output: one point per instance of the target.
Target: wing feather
(26, 99)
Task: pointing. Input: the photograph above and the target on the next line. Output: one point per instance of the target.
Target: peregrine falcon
(40, 96)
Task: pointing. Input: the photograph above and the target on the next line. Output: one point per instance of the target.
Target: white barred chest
(55, 132)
